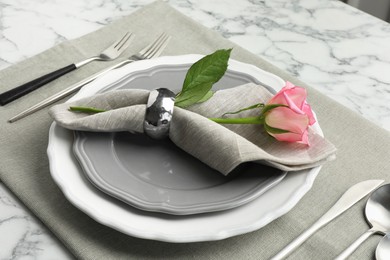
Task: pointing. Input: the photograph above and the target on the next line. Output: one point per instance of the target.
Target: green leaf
(201, 76)
(89, 110)
(206, 97)
(273, 130)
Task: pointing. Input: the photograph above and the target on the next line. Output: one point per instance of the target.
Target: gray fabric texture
(220, 147)
(362, 154)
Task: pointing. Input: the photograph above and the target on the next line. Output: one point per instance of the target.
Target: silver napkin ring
(158, 115)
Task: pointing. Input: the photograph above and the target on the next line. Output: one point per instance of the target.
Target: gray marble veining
(22, 236)
(342, 52)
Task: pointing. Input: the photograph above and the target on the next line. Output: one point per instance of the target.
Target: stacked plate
(152, 189)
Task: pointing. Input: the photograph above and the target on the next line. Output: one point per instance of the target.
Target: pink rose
(289, 121)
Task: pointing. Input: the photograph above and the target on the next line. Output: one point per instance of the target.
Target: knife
(347, 200)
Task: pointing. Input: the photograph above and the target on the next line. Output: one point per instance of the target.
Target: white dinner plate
(107, 210)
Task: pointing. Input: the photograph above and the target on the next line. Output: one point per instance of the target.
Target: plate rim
(123, 226)
(168, 208)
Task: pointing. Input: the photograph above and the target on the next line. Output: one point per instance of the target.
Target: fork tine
(150, 46)
(159, 49)
(155, 44)
(124, 42)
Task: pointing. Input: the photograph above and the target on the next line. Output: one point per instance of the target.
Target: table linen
(362, 149)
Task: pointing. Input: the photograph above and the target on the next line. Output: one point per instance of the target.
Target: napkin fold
(222, 147)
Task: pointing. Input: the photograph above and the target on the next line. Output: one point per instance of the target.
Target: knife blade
(347, 200)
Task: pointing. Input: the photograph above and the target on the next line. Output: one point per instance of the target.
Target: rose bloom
(290, 121)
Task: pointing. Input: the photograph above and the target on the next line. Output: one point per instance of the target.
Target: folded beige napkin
(222, 147)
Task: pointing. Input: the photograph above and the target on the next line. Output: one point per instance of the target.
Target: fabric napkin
(362, 153)
(222, 147)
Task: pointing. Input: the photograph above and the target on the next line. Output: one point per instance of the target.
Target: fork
(151, 51)
(110, 53)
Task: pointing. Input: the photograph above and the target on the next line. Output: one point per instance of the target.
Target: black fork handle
(28, 87)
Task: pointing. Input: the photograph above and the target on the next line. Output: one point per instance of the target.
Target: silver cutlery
(151, 51)
(347, 200)
(383, 250)
(110, 53)
(378, 216)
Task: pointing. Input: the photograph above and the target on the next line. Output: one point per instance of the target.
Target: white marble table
(341, 51)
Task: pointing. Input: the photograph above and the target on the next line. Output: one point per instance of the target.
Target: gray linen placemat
(362, 154)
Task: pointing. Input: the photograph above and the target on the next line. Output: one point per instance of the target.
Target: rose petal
(296, 95)
(288, 137)
(279, 98)
(309, 112)
(286, 119)
(291, 104)
(305, 138)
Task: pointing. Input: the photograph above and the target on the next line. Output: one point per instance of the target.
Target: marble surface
(337, 49)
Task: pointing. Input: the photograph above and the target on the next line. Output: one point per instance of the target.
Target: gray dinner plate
(158, 176)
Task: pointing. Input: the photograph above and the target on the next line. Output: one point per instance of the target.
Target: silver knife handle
(76, 87)
(66, 92)
(299, 240)
(349, 198)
